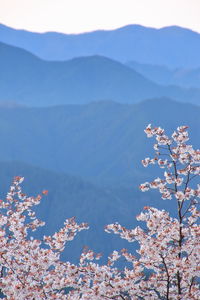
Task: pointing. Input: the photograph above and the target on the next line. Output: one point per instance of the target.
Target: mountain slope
(165, 76)
(72, 196)
(25, 79)
(103, 141)
(172, 46)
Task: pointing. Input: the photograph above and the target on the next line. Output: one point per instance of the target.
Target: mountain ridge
(165, 76)
(36, 82)
(110, 136)
(128, 26)
(177, 47)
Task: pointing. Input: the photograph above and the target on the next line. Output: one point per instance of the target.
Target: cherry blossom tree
(30, 268)
(169, 247)
(167, 265)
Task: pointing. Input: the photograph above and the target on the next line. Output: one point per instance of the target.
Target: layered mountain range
(103, 141)
(75, 126)
(185, 77)
(36, 82)
(171, 46)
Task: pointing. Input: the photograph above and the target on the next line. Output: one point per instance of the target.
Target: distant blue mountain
(171, 46)
(102, 142)
(26, 79)
(166, 76)
(71, 196)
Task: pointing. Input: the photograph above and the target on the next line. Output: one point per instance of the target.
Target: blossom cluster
(28, 269)
(167, 263)
(169, 247)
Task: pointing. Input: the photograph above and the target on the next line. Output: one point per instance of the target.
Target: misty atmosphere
(73, 110)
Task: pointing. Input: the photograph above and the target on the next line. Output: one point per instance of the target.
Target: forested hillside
(78, 81)
(103, 141)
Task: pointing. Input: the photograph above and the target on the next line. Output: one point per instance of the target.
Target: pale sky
(75, 16)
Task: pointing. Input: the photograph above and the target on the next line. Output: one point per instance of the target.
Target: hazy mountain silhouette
(25, 79)
(102, 142)
(70, 196)
(172, 46)
(166, 76)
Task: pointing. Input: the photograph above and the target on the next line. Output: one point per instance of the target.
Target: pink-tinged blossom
(29, 271)
(180, 196)
(147, 161)
(162, 163)
(169, 248)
